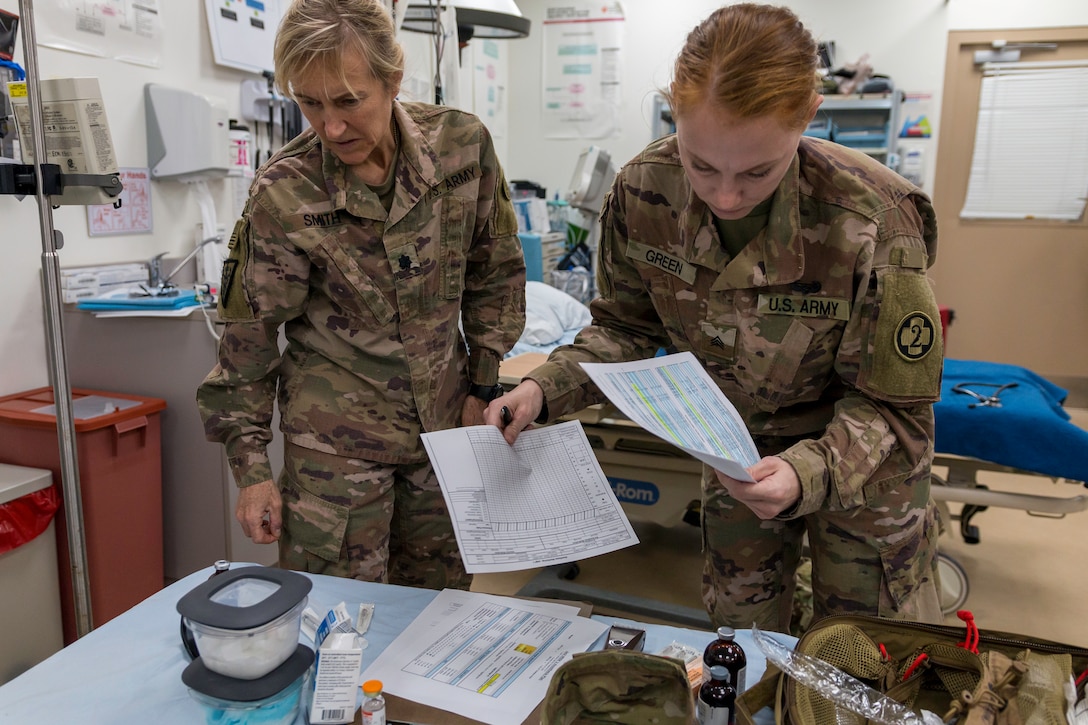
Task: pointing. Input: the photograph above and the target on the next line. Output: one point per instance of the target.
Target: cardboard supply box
(336, 684)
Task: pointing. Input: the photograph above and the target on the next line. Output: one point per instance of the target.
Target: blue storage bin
(860, 136)
(534, 259)
(819, 128)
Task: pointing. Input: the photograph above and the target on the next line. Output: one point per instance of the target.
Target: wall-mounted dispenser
(188, 134)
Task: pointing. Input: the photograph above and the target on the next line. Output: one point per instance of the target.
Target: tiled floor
(1026, 575)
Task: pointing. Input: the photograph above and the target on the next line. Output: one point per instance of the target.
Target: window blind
(1031, 145)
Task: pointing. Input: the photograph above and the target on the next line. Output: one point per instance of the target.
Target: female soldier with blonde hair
(795, 270)
(366, 239)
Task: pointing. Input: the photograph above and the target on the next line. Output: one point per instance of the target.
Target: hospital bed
(992, 418)
(999, 418)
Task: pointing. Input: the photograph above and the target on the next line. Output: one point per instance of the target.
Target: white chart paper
(674, 398)
(542, 501)
(487, 657)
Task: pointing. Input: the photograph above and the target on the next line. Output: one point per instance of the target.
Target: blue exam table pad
(1030, 431)
(128, 670)
(123, 300)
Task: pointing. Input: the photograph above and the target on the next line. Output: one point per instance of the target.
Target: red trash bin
(119, 451)
(947, 315)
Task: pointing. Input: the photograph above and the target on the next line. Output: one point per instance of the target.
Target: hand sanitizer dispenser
(188, 134)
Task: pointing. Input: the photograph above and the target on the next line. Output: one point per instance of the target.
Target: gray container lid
(18, 481)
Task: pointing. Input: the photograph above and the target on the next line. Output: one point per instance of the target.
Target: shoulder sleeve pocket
(907, 350)
(504, 220)
(234, 302)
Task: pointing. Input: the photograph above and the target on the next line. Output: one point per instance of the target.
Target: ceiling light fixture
(498, 19)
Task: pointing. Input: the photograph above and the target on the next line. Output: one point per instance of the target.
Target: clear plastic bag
(846, 691)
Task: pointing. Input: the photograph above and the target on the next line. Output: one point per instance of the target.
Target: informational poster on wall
(914, 113)
(489, 85)
(133, 216)
(126, 30)
(583, 69)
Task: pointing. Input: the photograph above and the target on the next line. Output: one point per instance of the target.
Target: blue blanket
(1030, 431)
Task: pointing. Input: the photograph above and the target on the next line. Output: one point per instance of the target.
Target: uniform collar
(774, 257)
(417, 170)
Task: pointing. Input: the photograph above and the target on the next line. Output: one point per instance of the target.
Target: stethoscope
(984, 401)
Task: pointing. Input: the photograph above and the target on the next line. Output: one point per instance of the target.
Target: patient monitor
(188, 134)
(589, 185)
(591, 180)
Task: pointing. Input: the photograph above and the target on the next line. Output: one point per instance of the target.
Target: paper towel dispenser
(187, 134)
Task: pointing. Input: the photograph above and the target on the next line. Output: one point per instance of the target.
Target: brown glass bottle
(725, 651)
(717, 703)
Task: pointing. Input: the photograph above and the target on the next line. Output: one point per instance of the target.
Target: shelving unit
(866, 122)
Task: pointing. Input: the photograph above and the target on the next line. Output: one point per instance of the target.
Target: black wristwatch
(485, 392)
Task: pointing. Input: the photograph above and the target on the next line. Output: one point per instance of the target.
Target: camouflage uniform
(824, 333)
(370, 303)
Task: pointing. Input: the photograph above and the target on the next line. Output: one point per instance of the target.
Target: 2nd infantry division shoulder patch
(915, 336)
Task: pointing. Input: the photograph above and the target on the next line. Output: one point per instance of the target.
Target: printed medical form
(542, 501)
(674, 398)
(487, 657)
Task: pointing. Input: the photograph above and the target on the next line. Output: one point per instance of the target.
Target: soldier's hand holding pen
(515, 411)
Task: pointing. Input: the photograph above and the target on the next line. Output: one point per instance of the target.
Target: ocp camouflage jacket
(369, 303)
(823, 331)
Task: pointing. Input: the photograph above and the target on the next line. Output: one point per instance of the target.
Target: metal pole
(62, 392)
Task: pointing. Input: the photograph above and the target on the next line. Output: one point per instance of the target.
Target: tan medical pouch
(1011, 679)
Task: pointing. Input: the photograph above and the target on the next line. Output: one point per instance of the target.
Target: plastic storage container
(119, 455)
(30, 619)
(274, 699)
(246, 621)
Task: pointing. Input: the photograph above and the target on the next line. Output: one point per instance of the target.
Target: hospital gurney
(994, 417)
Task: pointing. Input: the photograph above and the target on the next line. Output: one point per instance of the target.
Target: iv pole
(62, 392)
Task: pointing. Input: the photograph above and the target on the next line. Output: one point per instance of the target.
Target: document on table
(542, 501)
(674, 398)
(487, 657)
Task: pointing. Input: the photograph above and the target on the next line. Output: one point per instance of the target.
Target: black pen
(507, 416)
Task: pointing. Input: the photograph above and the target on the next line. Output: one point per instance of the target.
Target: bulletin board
(243, 32)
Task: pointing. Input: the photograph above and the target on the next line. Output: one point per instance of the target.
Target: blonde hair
(319, 31)
(751, 60)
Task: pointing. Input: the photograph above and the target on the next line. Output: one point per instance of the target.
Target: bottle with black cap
(727, 652)
(717, 703)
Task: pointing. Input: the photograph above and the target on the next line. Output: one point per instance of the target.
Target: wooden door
(1018, 289)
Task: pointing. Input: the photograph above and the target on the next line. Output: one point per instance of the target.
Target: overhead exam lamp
(498, 19)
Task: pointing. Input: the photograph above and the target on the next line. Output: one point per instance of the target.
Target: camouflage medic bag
(619, 686)
(963, 675)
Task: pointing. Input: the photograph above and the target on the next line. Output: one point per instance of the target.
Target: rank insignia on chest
(719, 342)
(405, 262)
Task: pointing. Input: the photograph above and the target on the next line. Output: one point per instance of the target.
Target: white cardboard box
(336, 684)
